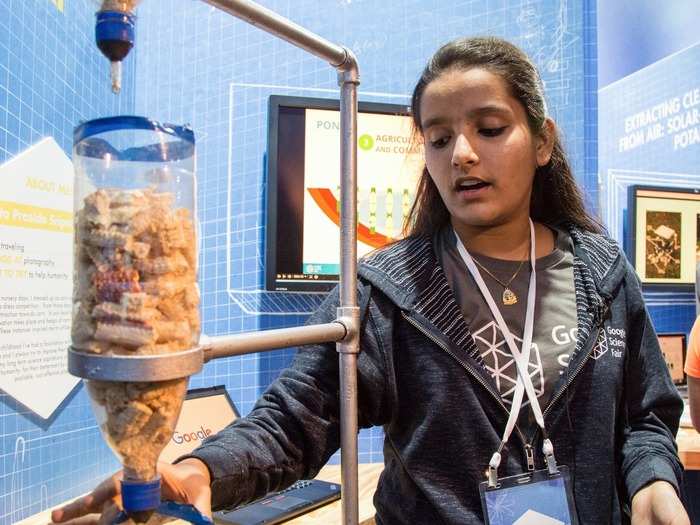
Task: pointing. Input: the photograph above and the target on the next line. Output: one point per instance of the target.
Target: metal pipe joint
(349, 317)
(348, 70)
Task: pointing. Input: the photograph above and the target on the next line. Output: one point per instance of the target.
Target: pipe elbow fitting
(348, 70)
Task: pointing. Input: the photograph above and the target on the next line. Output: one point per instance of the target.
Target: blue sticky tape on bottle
(138, 495)
(114, 25)
(184, 511)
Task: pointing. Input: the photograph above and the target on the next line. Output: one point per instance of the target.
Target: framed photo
(673, 350)
(665, 247)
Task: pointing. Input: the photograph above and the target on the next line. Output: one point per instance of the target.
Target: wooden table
(368, 475)
(688, 441)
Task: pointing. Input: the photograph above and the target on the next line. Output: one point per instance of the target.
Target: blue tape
(139, 495)
(185, 512)
(113, 25)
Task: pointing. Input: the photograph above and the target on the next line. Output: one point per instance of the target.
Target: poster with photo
(663, 245)
(666, 229)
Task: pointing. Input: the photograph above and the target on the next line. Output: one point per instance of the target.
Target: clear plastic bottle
(135, 283)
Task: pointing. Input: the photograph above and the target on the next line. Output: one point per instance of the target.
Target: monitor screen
(665, 233)
(204, 412)
(303, 190)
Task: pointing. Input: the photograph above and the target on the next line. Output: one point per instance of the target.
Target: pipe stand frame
(344, 330)
(348, 347)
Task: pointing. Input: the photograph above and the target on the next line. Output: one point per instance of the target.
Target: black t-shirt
(554, 331)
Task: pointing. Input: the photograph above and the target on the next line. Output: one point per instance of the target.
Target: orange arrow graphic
(325, 200)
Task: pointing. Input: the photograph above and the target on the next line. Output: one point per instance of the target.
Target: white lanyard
(520, 356)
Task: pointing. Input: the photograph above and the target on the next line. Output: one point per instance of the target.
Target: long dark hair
(556, 198)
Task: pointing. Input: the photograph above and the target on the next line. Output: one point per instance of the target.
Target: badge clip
(492, 472)
(548, 451)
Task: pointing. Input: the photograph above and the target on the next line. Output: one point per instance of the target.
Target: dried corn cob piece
(165, 286)
(131, 336)
(129, 421)
(123, 214)
(173, 308)
(97, 203)
(176, 264)
(110, 285)
(171, 331)
(118, 311)
(119, 198)
(107, 238)
(140, 249)
(138, 301)
(140, 223)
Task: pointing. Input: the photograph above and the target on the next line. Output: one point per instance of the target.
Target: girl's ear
(545, 142)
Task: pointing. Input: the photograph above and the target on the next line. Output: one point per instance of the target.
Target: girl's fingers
(89, 504)
(109, 513)
(202, 501)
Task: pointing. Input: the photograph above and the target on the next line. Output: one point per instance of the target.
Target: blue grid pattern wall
(200, 66)
(51, 77)
(194, 64)
(657, 162)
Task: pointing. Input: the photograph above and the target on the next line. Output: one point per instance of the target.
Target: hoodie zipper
(573, 376)
(583, 362)
(475, 375)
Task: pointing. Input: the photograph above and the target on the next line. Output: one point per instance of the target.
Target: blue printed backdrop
(51, 77)
(658, 69)
(193, 64)
(636, 33)
(231, 70)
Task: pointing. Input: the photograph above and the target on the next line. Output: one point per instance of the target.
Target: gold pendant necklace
(509, 297)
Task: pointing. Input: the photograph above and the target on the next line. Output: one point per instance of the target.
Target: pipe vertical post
(349, 347)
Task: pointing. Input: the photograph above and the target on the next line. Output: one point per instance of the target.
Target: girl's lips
(473, 193)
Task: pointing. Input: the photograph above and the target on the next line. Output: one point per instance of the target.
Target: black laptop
(302, 497)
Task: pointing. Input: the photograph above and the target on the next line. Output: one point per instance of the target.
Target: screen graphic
(303, 227)
(387, 166)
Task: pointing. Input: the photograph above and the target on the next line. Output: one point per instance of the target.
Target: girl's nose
(463, 154)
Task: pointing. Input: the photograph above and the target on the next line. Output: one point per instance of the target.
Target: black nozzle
(141, 516)
(114, 50)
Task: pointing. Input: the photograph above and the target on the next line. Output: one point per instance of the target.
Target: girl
(498, 231)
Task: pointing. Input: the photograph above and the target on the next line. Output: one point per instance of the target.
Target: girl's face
(479, 150)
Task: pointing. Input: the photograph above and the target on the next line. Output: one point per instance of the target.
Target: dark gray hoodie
(612, 418)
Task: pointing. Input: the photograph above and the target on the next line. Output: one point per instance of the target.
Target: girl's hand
(184, 482)
(658, 504)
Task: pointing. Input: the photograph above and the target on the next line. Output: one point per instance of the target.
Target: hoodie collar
(408, 273)
(406, 270)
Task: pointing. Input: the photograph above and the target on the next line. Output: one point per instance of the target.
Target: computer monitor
(303, 187)
(204, 412)
(673, 350)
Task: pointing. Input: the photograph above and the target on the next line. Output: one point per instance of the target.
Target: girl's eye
(492, 132)
(439, 143)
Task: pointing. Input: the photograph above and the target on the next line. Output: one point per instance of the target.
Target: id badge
(533, 498)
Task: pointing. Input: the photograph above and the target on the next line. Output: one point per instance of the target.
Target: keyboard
(278, 507)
